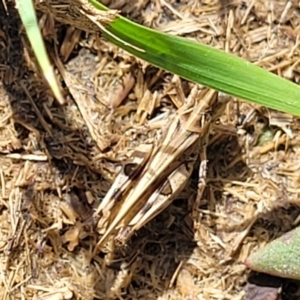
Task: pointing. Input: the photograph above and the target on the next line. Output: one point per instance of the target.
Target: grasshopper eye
(130, 169)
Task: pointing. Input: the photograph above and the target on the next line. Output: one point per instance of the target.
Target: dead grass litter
(58, 162)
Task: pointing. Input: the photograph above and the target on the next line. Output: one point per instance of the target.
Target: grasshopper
(159, 200)
(165, 171)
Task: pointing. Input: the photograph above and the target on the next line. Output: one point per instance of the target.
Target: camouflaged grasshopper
(149, 187)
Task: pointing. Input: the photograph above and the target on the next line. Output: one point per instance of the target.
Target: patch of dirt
(58, 162)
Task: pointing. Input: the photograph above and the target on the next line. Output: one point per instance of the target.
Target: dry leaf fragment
(186, 285)
(122, 91)
(79, 204)
(72, 236)
(63, 293)
(262, 287)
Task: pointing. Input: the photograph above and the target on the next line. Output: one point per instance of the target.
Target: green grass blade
(203, 64)
(29, 20)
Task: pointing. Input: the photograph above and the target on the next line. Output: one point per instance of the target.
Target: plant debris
(59, 162)
(262, 287)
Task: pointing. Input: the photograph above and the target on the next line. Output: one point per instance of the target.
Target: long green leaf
(28, 17)
(203, 64)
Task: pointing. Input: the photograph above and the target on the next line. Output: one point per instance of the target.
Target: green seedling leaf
(280, 258)
(203, 64)
(266, 136)
(29, 21)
